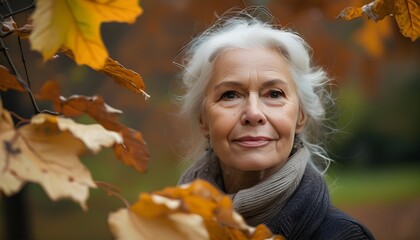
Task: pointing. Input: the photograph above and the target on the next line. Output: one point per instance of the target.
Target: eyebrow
(228, 83)
(274, 82)
(268, 83)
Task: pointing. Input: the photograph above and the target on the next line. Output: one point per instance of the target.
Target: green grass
(375, 186)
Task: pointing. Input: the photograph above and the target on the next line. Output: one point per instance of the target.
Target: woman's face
(251, 109)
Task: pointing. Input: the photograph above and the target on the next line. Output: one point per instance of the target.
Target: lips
(251, 141)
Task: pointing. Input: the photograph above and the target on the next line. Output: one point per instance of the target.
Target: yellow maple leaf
(46, 151)
(75, 24)
(191, 211)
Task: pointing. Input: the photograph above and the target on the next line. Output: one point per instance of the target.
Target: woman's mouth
(251, 141)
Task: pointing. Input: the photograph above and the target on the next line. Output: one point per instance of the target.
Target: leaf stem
(112, 190)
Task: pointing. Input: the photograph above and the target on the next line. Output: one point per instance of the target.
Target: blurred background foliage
(376, 84)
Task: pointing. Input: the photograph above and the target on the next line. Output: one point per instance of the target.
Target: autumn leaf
(46, 151)
(192, 211)
(9, 81)
(406, 12)
(408, 18)
(375, 10)
(75, 24)
(124, 77)
(350, 12)
(133, 151)
(124, 224)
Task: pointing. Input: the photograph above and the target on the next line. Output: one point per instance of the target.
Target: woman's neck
(236, 180)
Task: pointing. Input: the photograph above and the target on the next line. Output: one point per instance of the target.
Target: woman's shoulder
(338, 225)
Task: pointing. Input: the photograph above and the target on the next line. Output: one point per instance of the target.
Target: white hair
(244, 31)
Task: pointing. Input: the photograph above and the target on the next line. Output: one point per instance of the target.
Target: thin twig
(22, 57)
(19, 10)
(112, 190)
(23, 83)
(9, 60)
(8, 6)
(21, 119)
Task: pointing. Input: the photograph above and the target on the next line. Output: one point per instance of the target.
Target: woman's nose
(253, 114)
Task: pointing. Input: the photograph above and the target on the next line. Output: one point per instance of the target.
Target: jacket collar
(305, 210)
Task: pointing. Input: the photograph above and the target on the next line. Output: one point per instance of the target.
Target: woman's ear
(203, 124)
(300, 124)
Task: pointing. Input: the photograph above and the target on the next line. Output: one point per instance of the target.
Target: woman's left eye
(275, 94)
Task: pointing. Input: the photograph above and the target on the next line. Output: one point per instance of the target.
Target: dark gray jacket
(308, 214)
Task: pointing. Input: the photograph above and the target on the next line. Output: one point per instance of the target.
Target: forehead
(263, 61)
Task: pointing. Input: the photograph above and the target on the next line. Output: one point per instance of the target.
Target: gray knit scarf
(261, 202)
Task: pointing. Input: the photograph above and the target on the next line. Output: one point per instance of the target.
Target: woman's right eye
(229, 95)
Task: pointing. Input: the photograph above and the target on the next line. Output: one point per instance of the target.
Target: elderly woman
(256, 106)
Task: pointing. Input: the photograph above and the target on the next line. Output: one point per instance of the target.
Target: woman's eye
(275, 94)
(229, 95)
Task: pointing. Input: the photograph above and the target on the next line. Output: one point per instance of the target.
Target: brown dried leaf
(193, 211)
(408, 18)
(9, 81)
(381, 9)
(406, 12)
(375, 10)
(8, 25)
(122, 76)
(46, 152)
(133, 151)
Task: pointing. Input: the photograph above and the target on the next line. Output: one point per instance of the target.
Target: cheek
(221, 122)
(284, 124)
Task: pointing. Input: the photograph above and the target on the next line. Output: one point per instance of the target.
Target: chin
(256, 166)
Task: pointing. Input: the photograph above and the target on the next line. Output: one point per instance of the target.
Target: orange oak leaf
(75, 24)
(9, 81)
(133, 151)
(192, 211)
(124, 77)
(46, 151)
